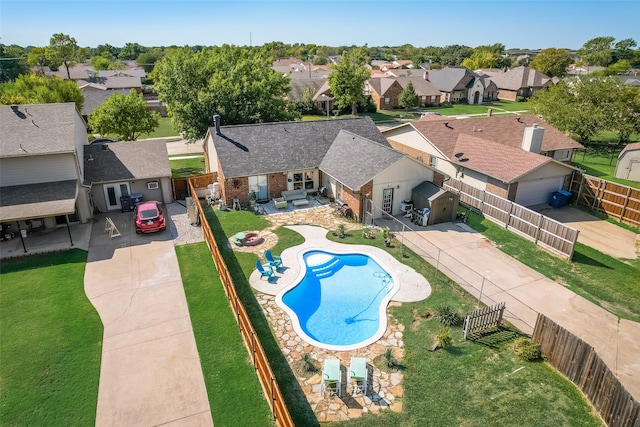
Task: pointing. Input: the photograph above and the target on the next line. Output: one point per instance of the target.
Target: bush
(520, 99)
(527, 349)
(446, 315)
(390, 359)
(444, 337)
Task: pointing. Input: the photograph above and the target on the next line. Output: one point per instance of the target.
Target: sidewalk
(528, 292)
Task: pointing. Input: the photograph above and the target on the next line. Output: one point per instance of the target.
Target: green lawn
(51, 342)
(182, 168)
(165, 129)
(601, 165)
(228, 371)
(467, 384)
(606, 281)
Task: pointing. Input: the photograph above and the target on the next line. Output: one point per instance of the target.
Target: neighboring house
(110, 83)
(628, 166)
(78, 71)
(118, 169)
(138, 73)
(582, 70)
(41, 167)
(385, 92)
(519, 158)
(349, 157)
(94, 98)
(461, 85)
(520, 81)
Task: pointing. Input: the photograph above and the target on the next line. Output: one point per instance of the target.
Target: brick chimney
(532, 139)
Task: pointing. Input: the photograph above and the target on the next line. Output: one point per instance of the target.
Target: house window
(424, 99)
(303, 180)
(561, 155)
(387, 101)
(433, 161)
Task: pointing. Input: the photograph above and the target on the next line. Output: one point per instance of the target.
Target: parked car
(149, 218)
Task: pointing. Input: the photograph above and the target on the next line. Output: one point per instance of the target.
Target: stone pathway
(385, 390)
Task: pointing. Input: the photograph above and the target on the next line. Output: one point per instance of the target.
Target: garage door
(537, 192)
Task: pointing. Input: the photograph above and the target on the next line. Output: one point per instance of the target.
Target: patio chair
(274, 260)
(331, 377)
(357, 375)
(265, 270)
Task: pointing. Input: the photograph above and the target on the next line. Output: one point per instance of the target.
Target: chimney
(425, 75)
(532, 139)
(216, 122)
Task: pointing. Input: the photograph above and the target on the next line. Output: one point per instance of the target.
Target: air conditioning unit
(153, 185)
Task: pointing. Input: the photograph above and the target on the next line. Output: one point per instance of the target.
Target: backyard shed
(628, 166)
(442, 203)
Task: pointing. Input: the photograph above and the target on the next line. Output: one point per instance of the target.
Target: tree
(596, 51)
(124, 116)
(100, 63)
(39, 89)
(236, 83)
(585, 106)
(480, 59)
(131, 51)
(408, 97)
(149, 58)
(12, 62)
(62, 50)
(552, 62)
(623, 50)
(348, 78)
(455, 54)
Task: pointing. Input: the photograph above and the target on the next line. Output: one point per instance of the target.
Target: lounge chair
(331, 377)
(357, 375)
(265, 270)
(274, 260)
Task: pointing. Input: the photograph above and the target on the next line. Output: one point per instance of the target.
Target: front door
(258, 185)
(113, 192)
(387, 200)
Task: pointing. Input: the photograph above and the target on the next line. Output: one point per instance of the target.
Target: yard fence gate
(483, 319)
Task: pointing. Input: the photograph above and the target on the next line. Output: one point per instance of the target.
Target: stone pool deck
(385, 391)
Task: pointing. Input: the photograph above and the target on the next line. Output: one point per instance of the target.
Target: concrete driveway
(150, 371)
(596, 233)
(484, 271)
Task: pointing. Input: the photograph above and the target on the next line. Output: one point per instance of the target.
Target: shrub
(308, 363)
(341, 230)
(444, 337)
(527, 349)
(446, 315)
(390, 359)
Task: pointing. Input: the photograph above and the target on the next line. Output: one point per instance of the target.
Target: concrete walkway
(150, 371)
(493, 276)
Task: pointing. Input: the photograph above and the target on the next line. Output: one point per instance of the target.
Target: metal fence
(258, 356)
(579, 362)
(615, 200)
(534, 226)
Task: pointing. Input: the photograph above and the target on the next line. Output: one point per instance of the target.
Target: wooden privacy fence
(615, 200)
(579, 362)
(483, 318)
(181, 186)
(260, 362)
(534, 226)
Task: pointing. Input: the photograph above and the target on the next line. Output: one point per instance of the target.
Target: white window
(387, 101)
(303, 180)
(561, 155)
(433, 161)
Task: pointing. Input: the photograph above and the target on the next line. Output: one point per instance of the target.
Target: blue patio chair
(357, 375)
(331, 377)
(265, 270)
(274, 260)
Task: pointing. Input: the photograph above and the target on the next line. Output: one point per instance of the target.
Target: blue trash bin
(560, 198)
(136, 198)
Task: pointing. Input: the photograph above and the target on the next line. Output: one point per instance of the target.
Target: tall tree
(13, 62)
(552, 62)
(480, 59)
(125, 117)
(236, 83)
(62, 50)
(348, 78)
(39, 89)
(623, 50)
(408, 97)
(149, 58)
(455, 54)
(596, 51)
(131, 51)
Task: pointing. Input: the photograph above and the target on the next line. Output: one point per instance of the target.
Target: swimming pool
(340, 300)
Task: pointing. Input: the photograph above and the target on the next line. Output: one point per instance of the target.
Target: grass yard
(604, 280)
(183, 168)
(601, 165)
(51, 342)
(467, 384)
(165, 129)
(229, 375)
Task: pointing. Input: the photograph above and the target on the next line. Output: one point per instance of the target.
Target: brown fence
(579, 362)
(615, 200)
(259, 357)
(483, 318)
(543, 230)
(181, 185)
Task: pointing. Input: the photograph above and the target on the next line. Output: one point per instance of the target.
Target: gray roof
(38, 200)
(299, 85)
(520, 77)
(258, 149)
(422, 87)
(27, 130)
(356, 170)
(449, 79)
(428, 190)
(126, 160)
(140, 73)
(94, 98)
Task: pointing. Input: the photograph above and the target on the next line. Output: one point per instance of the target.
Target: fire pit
(252, 238)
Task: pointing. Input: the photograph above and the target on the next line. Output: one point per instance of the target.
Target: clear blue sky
(514, 23)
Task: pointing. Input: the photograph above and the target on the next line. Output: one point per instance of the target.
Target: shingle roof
(27, 130)
(449, 79)
(298, 87)
(504, 130)
(421, 86)
(520, 77)
(629, 147)
(381, 85)
(115, 82)
(355, 171)
(126, 160)
(95, 98)
(247, 150)
(37, 200)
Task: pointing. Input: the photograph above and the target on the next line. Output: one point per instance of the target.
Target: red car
(149, 218)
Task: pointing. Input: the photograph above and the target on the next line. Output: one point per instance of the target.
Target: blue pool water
(341, 300)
